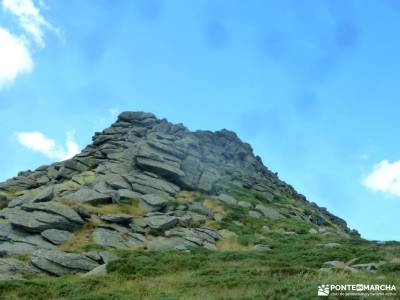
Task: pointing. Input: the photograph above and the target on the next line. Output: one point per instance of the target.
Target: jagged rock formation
(149, 161)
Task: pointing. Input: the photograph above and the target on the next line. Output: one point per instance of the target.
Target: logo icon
(360, 287)
(323, 290)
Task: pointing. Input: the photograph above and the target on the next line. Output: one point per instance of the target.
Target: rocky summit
(145, 183)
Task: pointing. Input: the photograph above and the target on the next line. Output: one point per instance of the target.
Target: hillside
(152, 210)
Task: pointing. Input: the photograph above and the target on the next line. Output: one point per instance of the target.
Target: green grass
(203, 274)
(289, 271)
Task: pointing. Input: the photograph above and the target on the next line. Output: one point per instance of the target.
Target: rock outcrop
(122, 192)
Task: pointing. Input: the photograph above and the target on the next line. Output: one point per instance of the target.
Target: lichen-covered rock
(14, 241)
(12, 266)
(150, 203)
(125, 195)
(86, 195)
(56, 236)
(117, 181)
(204, 237)
(160, 222)
(227, 199)
(37, 217)
(255, 214)
(45, 195)
(37, 221)
(109, 237)
(55, 208)
(269, 212)
(55, 262)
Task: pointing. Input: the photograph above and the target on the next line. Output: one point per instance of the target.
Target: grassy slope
(289, 271)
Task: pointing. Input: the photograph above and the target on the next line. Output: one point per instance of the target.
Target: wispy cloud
(15, 57)
(385, 177)
(38, 142)
(29, 18)
(15, 49)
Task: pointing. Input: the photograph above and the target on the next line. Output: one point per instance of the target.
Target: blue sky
(312, 85)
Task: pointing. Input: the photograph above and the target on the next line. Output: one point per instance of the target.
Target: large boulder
(14, 241)
(126, 196)
(12, 266)
(55, 208)
(37, 217)
(109, 237)
(161, 222)
(56, 236)
(150, 183)
(227, 199)
(117, 181)
(150, 203)
(160, 167)
(204, 237)
(46, 195)
(269, 212)
(86, 195)
(134, 116)
(23, 199)
(37, 221)
(55, 262)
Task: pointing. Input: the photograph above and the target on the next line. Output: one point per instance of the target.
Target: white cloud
(15, 58)
(385, 177)
(15, 50)
(29, 18)
(38, 142)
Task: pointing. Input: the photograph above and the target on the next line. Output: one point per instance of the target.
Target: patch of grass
(150, 263)
(243, 194)
(93, 247)
(292, 224)
(132, 208)
(173, 204)
(214, 206)
(200, 274)
(230, 244)
(247, 233)
(155, 232)
(390, 267)
(186, 197)
(23, 257)
(80, 238)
